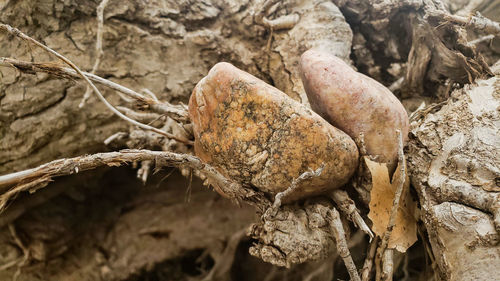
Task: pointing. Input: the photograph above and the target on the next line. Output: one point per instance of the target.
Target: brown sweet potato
(257, 135)
(354, 103)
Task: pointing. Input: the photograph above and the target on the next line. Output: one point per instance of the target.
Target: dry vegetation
(368, 199)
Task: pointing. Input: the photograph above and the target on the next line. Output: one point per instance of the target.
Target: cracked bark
(454, 161)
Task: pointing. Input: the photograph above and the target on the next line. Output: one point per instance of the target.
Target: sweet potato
(354, 103)
(257, 135)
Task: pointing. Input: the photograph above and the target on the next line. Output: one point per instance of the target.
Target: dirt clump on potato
(255, 134)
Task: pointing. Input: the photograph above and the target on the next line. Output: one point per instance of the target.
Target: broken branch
(384, 255)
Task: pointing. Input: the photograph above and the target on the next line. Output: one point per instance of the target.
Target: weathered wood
(454, 162)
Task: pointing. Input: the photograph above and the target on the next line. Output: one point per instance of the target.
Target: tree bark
(454, 159)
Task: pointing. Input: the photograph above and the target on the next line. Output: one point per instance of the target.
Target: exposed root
(342, 248)
(98, 47)
(26, 252)
(283, 22)
(348, 208)
(384, 255)
(477, 21)
(273, 210)
(221, 271)
(23, 36)
(145, 117)
(33, 179)
(295, 235)
(144, 171)
(366, 273)
(177, 112)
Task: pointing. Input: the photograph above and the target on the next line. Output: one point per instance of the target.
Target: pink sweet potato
(253, 133)
(354, 103)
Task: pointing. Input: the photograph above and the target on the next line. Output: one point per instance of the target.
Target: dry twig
(385, 268)
(176, 112)
(18, 33)
(33, 179)
(387, 265)
(98, 47)
(348, 207)
(477, 21)
(273, 210)
(368, 264)
(340, 241)
(397, 196)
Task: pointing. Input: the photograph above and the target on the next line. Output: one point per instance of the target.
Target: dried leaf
(382, 194)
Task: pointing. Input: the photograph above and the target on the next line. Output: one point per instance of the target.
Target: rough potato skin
(354, 103)
(257, 135)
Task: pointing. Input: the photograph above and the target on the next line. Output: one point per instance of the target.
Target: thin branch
(387, 265)
(368, 264)
(397, 84)
(98, 46)
(115, 137)
(176, 112)
(341, 242)
(18, 33)
(348, 207)
(482, 39)
(145, 117)
(477, 22)
(397, 196)
(384, 255)
(273, 210)
(223, 264)
(33, 179)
